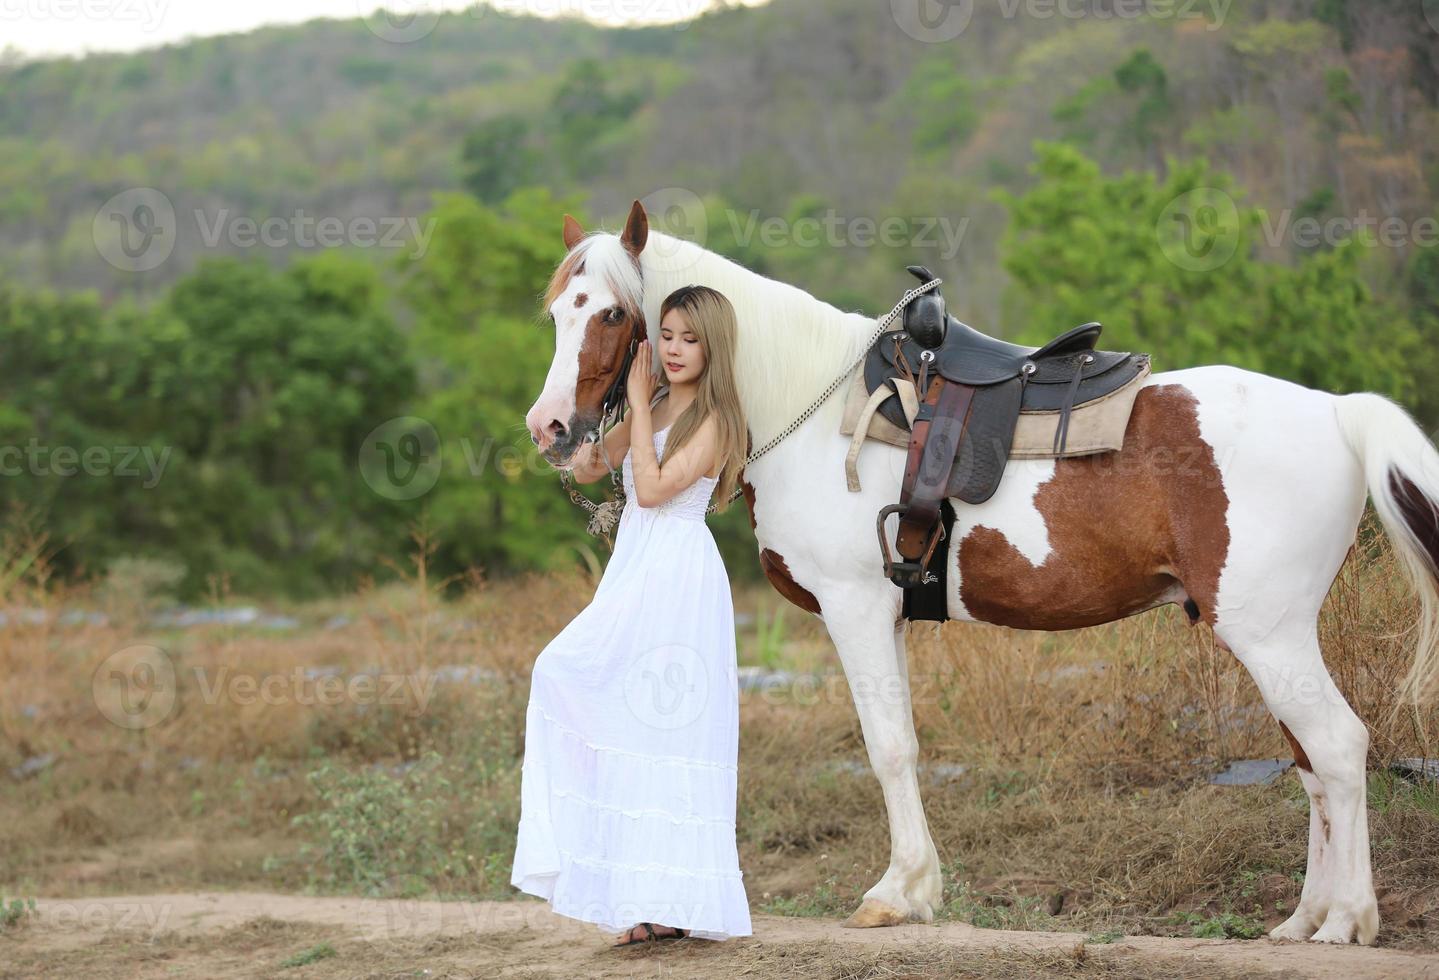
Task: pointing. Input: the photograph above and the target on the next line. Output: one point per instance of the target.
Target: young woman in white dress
(628, 788)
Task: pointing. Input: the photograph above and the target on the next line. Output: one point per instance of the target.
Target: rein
(604, 515)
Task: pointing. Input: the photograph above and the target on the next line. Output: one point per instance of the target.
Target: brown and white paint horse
(1236, 496)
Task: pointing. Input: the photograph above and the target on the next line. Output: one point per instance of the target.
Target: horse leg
(871, 649)
(932, 891)
(1331, 745)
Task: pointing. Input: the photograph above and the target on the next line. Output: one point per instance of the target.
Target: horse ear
(572, 232)
(637, 230)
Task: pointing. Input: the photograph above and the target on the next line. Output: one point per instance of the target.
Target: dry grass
(1084, 804)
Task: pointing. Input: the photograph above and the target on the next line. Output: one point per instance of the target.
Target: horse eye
(615, 315)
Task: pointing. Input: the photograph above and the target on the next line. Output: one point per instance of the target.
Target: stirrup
(907, 574)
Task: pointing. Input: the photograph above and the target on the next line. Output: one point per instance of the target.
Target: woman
(632, 731)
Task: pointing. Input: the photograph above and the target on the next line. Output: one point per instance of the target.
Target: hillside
(1319, 108)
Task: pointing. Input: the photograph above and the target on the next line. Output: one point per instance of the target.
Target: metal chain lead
(604, 515)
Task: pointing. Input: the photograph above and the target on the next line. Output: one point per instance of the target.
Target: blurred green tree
(220, 429)
(1082, 246)
(484, 356)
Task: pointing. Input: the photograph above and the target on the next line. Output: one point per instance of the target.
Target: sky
(39, 28)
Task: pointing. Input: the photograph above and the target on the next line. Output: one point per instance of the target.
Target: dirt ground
(249, 934)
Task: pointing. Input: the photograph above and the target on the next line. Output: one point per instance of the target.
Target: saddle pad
(1094, 427)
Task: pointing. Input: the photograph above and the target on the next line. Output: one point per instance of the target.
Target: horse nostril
(558, 430)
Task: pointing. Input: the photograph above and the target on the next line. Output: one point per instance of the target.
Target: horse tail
(1401, 469)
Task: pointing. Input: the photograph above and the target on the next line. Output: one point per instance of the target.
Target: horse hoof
(872, 913)
(1338, 934)
(1296, 928)
(1344, 926)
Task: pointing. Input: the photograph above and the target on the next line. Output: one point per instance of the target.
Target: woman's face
(681, 356)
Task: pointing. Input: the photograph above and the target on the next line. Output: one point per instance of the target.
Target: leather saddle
(972, 389)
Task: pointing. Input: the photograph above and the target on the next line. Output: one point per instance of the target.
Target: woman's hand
(640, 385)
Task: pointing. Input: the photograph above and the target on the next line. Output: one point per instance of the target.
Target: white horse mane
(790, 345)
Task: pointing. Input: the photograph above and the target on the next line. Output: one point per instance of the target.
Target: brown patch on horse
(748, 500)
(774, 565)
(1300, 759)
(581, 299)
(778, 574)
(601, 356)
(1124, 528)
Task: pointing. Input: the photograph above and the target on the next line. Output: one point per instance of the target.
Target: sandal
(650, 935)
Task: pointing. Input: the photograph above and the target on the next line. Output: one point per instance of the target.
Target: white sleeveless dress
(628, 788)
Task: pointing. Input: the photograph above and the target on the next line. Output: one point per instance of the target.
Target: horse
(1236, 496)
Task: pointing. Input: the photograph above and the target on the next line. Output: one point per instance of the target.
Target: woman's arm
(590, 465)
(655, 482)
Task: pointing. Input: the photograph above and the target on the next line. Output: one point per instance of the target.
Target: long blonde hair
(712, 318)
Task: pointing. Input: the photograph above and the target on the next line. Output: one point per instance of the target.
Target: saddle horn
(925, 318)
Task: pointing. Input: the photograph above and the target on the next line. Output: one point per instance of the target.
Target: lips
(673, 366)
